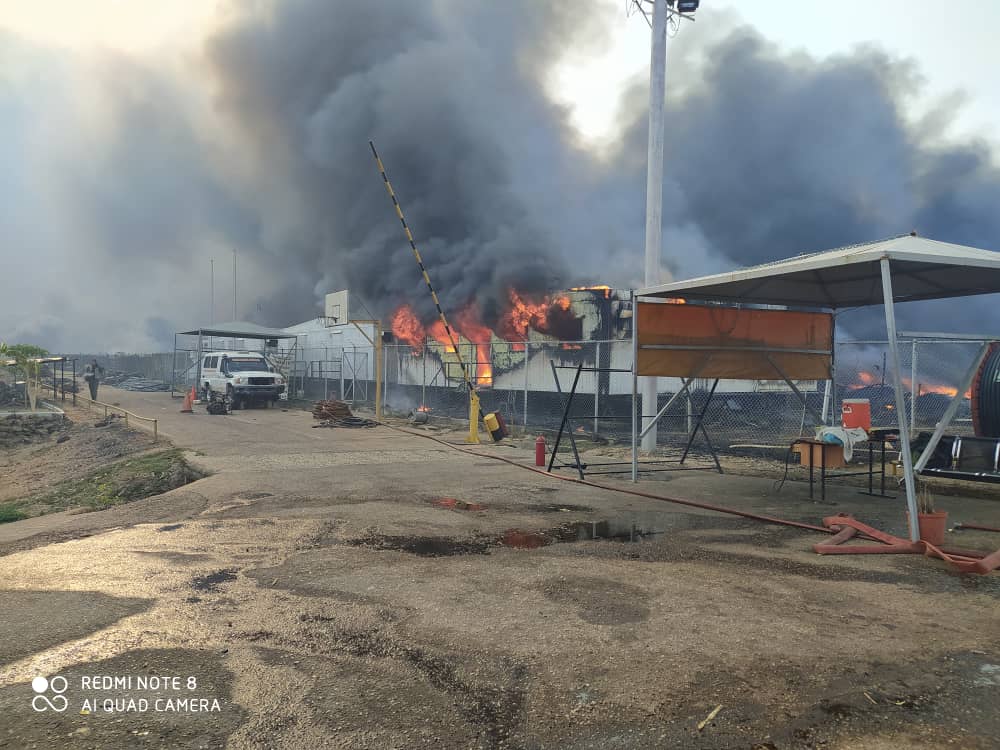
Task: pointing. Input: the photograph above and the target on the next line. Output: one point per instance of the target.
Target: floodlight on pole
(675, 9)
(664, 18)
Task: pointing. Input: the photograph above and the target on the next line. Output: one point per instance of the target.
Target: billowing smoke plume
(452, 95)
(259, 144)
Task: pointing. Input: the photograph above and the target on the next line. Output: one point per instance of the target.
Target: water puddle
(424, 546)
(629, 529)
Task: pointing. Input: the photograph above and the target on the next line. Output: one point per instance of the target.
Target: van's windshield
(246, 364)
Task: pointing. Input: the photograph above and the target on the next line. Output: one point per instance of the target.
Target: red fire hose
(843, 528)
(637, 493)
(965, 561)
(976, 526)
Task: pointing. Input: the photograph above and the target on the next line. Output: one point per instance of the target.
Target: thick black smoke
(453, 97)
(768, 154)
(261, 147)
(775, 155)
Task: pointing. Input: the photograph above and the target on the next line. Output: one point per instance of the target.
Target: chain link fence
(519, 381)
(932, 373)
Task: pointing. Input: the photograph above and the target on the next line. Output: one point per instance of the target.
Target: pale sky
(953, 43)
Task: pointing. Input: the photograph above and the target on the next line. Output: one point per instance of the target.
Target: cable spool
(986, 395)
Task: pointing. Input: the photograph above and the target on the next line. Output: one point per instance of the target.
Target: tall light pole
(234, 285)
(663, 12)
(654, 189)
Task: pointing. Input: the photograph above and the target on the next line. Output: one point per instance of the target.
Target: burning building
(563, 320)
(509, 350)
(563, 325)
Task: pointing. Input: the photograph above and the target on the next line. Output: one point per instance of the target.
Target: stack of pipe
(331, 410)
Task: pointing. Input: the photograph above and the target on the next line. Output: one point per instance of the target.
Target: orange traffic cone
(188, 403)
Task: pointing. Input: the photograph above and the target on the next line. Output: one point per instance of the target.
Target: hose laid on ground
(637, 493)
(348, 422)
(976, 526)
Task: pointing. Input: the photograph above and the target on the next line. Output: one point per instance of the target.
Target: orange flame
(551, 316)
(524, 314)
(944, 390)
(468, 323)
(521, 316)
(866, 378)
(596, 288)
(407, 328)
(440, 334)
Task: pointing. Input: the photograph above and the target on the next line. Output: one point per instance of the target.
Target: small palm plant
(25, 358)
(925, 500)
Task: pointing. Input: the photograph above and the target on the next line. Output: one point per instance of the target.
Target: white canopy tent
(900, 269)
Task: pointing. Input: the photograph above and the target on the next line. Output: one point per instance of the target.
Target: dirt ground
(88, 443)
(372, 589)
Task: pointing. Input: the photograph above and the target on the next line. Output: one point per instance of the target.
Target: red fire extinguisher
(540, 451)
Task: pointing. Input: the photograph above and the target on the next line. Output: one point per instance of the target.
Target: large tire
(234, 400)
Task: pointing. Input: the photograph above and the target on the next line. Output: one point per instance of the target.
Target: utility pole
(234, 285)
(664, 13)
(211, 312)
(654, 189)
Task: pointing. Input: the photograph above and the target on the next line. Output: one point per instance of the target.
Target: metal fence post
(914, 390)
(597, 381)
(423, 375)
(527, 359)
(635, 387)
(342, 373)
(385, 375)
(826, 401)
(832, 414)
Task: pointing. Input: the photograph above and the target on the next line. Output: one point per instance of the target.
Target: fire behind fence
(524, 391)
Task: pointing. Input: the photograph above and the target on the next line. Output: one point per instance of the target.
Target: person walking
(93, 373)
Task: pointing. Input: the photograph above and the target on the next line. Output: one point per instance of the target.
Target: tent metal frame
(581, 468)
(637, 434)
(848, 278)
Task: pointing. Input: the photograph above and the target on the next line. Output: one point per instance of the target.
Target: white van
(245, 377)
